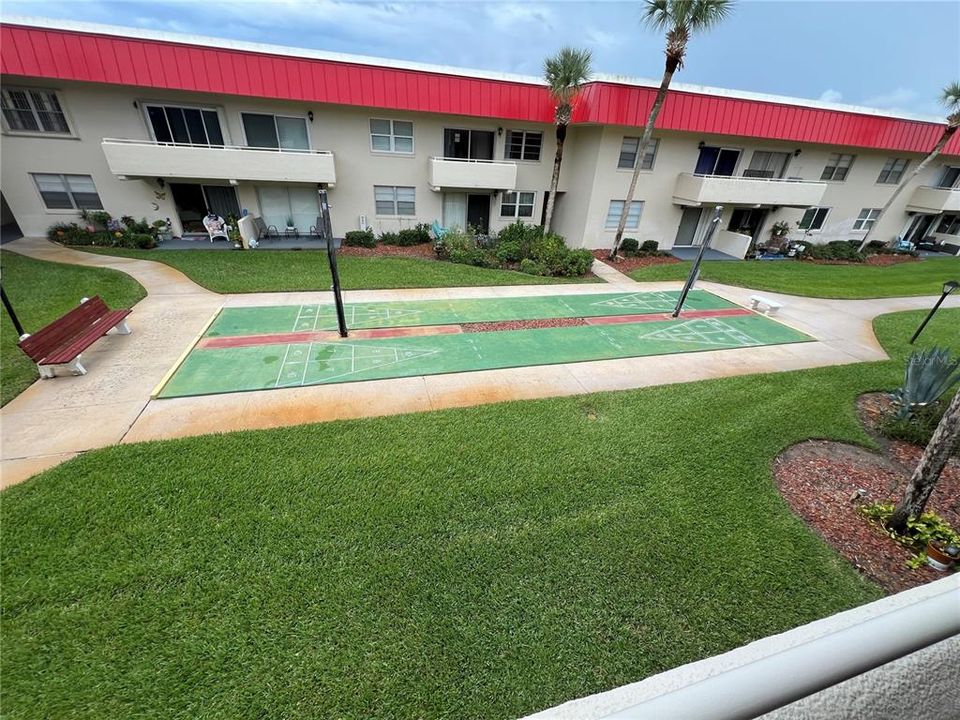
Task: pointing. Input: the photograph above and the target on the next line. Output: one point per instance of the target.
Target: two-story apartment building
(158, 125)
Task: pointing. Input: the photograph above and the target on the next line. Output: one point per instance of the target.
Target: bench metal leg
(46, 371)
(75, 367)
(122, 328)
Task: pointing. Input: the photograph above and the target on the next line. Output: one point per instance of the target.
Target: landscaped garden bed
(629, 263)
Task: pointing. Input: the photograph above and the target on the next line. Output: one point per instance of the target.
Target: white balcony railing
(694, 189)
(929, 199)
(469, 174)
(146, 158)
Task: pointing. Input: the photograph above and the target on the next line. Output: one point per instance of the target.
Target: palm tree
(681, 19)
(565, 73)
(928, 470)
(950, 98)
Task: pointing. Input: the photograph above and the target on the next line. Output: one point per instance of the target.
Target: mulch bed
(626, 264)
(522, 324)
(417, 251)
(881, 260)
(821, 480)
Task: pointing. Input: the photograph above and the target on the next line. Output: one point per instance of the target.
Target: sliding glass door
(280, 204)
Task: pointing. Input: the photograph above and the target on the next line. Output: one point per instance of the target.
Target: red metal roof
(89, 57)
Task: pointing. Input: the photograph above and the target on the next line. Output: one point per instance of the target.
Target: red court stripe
(211, 343)
(688, 315)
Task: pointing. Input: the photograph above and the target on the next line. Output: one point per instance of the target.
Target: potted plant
(290, 225)
(941, 555)
(780, 229)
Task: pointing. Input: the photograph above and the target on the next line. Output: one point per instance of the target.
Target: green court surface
(272, 364)
(298, 318)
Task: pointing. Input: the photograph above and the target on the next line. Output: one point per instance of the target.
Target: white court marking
(641, 301)
(344, 359)
(708, 331)
(310, 317)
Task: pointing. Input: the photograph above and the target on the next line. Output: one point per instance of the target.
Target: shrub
(458, 246)
(141, 241)
(929, 374)
(100, 219)
(508, 251)
(389, 238)
(522, 234)
(650, 246)
(836, 250)
(551, 251)
(629, 246)
(360, 238)
(412, 236)
(577, 263)
(916, 429)
(532, 267)
(140, 227)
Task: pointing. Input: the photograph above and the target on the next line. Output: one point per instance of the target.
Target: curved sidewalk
(54, 420)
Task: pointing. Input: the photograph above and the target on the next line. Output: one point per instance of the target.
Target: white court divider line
(282, 363)
(183, 356)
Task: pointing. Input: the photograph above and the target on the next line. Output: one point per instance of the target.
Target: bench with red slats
(62, 341)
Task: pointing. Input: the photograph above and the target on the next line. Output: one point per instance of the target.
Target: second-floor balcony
(695, 190)
(146, 158)
(932, 200)
(468, 174)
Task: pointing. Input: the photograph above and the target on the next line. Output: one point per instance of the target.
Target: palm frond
(657, 14)
(705, 14)
(690, 14)
(950, 97)
(566, 72)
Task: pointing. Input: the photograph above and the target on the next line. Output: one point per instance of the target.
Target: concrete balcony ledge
(461, 174)
(144, 158)
(698, 190)
(927, 199)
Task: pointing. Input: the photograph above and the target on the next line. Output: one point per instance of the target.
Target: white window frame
(890, 167)
(945, 171)
(70, 133)
(952, 222)
(66, 189)
(517, 204)
(243, 129)
(654, 143)
(823, 219)
(612, 221)
(836, 166)
(767, 156)
(866, 219)
(393, 137)
(224, 130)
(523, 145)
(395, 200)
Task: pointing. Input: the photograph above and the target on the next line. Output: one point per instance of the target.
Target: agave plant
(929, 374)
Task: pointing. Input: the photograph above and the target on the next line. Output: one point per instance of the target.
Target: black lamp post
(948, 287)
(13, 315)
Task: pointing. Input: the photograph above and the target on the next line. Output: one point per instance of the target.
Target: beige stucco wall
(590, 178)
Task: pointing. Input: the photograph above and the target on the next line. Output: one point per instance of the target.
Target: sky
(887, 55)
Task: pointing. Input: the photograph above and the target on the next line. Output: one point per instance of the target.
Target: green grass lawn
(40, 292)
(286, 270)
(826, 281)
(471, 563)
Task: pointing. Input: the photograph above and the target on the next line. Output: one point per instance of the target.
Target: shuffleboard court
(306, 318)
(214, 370)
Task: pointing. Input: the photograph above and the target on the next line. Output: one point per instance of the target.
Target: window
(837, 167)
(392, 200)
(893, 170)
(866, 219)
(717, 161)
(813, 218)
(394, 136)
(765, 164)
(185, 125)
(950, 177)
(517, 204)
(628, 153)
(523, 145)
(275, 132)
(616, 210)
(67, 192)
(949, 225)
(33, 111)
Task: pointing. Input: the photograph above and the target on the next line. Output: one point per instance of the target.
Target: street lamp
(948, 287)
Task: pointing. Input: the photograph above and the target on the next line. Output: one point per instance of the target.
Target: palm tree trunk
(944, 138)
(555, 180)
(928, 470)
(671, 67)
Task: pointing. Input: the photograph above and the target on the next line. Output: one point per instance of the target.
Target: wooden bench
(61, 342)
(764, 304)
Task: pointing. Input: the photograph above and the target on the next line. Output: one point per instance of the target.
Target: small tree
(928, 470)
(950, 98)
(681, 19)
(565, 73)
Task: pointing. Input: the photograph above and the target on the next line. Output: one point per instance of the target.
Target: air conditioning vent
(362, 222)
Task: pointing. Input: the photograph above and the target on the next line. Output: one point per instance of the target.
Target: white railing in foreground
(746, 178)
(778, 670)
(157, 143)
(473, 160)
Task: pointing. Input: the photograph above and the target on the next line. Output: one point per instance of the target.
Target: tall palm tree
(950, 98)
(565, 73)
(681, 19)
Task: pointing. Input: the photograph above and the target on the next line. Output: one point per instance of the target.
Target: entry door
(191, 206)
(478, 212)
(921, 226)
(222, 199)
(717, 161)
(689, 222)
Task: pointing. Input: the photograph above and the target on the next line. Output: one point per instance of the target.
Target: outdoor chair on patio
(265, 231)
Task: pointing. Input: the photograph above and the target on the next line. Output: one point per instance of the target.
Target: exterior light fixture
(701, 145)
(796, 153)
(161, 182)
(499, 131)
(948, 287)
(310, 115)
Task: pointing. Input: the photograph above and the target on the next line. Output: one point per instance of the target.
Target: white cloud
(895, 99)
(603, 38)
(830, 95)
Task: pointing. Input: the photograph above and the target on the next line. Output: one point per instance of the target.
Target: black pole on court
(948, 287)
(695, 270)
(327, 229)
(11, 313)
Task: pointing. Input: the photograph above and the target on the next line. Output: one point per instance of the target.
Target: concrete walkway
(53, 420)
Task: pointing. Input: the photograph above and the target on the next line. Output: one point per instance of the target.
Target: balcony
(698, 190)
(144, 158)
(462, 174)
(933, 200)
